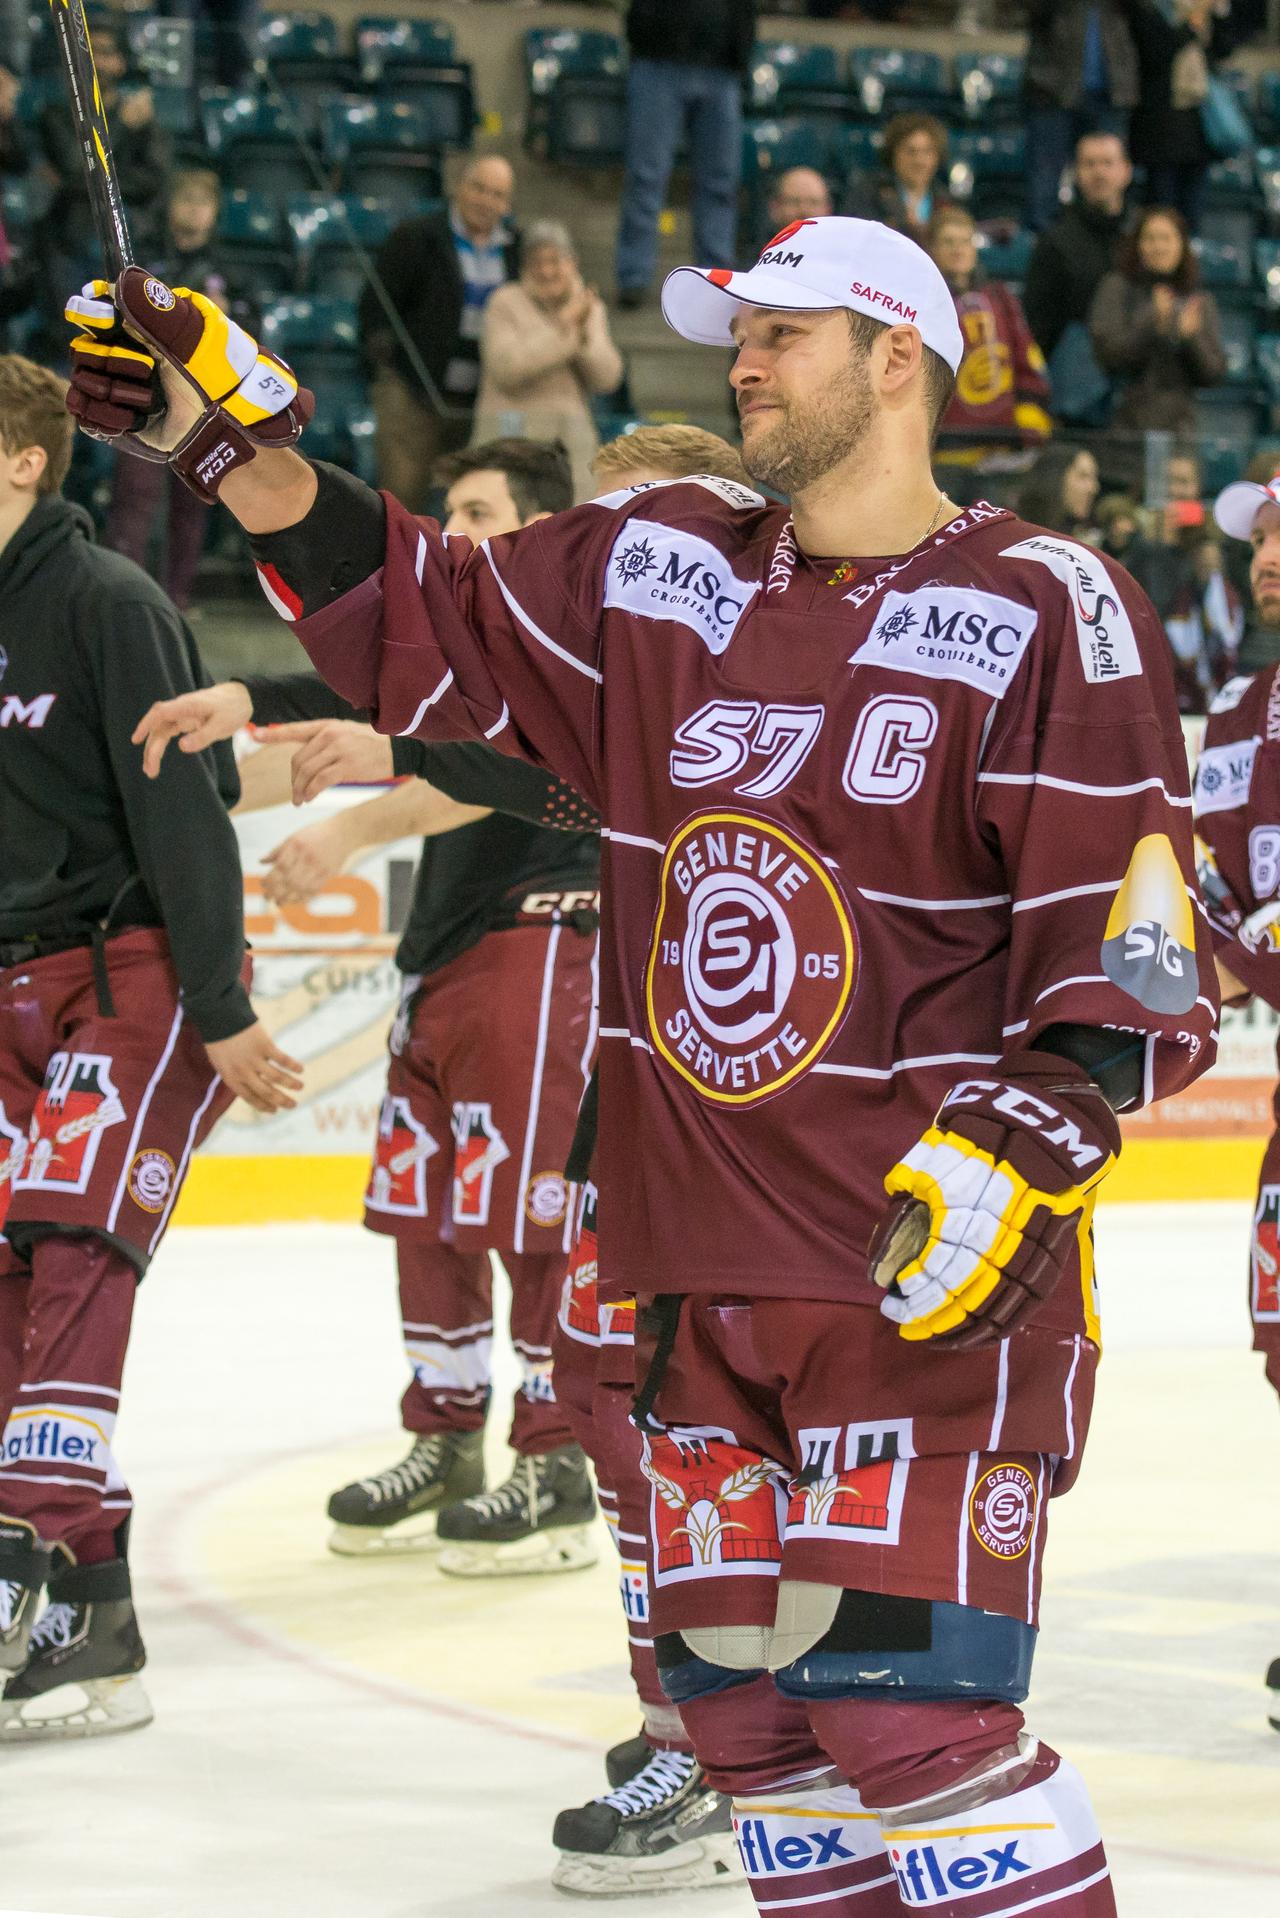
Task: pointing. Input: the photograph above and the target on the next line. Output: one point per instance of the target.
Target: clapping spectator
(905, 194)
(438, 271)
(1061, 492)
(688, 62)
(1082, 77)
(545, 350)
(1177, 42)
(1072, 257)
(1155, 329)
(1002, 389)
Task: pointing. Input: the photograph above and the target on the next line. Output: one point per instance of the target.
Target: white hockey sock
(1035, 1848)
(814, 1844)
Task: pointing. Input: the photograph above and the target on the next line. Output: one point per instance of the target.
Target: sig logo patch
(159, 295)
(1264, 1261)
(151, 1176)
(1224, 775)
(1149, 945)
(753, 958)
(659, 572)
(1002, 1511)
(946, 633)
(1104, 631)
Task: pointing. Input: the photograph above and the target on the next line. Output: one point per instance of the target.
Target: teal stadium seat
(266, 146)
(1008, 259)
(892, 80)
(1268, 106)
(417, 60)
(989, 86)
(1266, 271)
(1267, 164)
(319, 338)
(1223, 267)
(253, 243)
(304, 52)
(1268, 354)
(988, 172)
(333, 233)
(789, 77)
(555, 53)
(384, 149)
(769, 147)
(587, 119)
(1238, 343)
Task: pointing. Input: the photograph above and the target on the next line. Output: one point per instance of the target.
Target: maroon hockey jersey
(1237, 816)
(866, 828)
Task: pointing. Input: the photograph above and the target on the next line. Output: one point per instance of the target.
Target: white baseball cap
(1237, 506)
(813, 265)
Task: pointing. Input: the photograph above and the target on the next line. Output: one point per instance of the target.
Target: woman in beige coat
(545, 348)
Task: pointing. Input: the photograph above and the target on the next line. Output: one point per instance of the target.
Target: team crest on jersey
(717, 1509)
(1149, 943)
(478, 1150)
(77, 1102)
(546, 1199)
(1002, 1511)
(398, 1175)
(852, 1482)
(753, 960)
(13, 1150)
(1265, 1257)
(151, 1177)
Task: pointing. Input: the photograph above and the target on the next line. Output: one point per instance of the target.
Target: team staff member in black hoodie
(125, 1031)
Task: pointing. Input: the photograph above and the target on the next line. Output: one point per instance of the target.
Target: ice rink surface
(339, 1739)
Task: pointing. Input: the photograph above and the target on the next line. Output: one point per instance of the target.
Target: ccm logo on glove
(1013, 1102)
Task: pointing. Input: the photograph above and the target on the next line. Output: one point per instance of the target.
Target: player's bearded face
(1264, 573)
(811, 415)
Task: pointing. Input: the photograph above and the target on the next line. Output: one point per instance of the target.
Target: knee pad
(813, 1845)
(915, 1648)
(686, 1675)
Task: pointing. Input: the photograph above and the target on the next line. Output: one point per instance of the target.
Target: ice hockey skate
(23, 1570)
(665, 1830)
(395, 1510)
(80, 1679)
(538, 1521)
(624, 1760)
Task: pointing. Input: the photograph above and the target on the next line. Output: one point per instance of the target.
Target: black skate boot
(623, 1761)
(395, 1511)
(664, 1831)
(24, 1567)
(80, 1679)
(539, 1521)
(1273, 1687)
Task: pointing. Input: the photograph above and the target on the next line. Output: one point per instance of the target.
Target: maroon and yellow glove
(162, 372)
(987, 1204)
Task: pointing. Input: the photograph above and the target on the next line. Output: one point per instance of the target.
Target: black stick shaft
(93, 134)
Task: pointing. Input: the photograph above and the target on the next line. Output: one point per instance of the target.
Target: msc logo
(950, 633)
(923, 1876)
(897, 624)
(659, 573)
(811, 1852)
(1224, 775)
(33, 713)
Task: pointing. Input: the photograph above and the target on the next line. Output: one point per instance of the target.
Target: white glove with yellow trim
(162, 372)
(987, 1204)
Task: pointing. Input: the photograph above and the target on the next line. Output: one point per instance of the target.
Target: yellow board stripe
(802, 1811)
(967, 1831)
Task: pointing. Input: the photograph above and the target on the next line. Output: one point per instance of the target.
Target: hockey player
(489, 1055)
(125, 1031)
(898, 896)
(1237, 817)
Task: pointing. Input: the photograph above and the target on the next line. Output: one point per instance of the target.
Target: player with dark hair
(899, 897)
(488, 1059)
(1237, 817)
(125, 1031)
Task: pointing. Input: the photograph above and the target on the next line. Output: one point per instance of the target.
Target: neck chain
(939, 513)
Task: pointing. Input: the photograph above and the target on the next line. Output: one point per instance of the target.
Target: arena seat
(1268, 356)
(1267, 110)
(1223, 267)
(304, 52)
(416, 60)
(587, 119)
(554, 53)
(1008, 259)
(1266, 268)
(385, 149)
(769, 147)
(1238, 343)
(791, 77)
(319, 338)
(254, 244)
(989, 86)
(1232, 182)
(267, 146)
(988, 172)
(1267, 162)
(892, 80)
(326, 228)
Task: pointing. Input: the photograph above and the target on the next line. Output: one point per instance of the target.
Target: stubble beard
(811, 439)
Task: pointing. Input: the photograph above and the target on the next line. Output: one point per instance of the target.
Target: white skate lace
(665, 1775)
(521, 1490)
(53, 1627)
(11, 1590)
(410, 1475)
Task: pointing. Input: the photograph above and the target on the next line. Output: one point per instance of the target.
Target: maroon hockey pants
(64, 1329)
(446, 1305)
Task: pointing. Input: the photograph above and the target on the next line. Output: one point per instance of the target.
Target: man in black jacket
(1074, 254)
(688, 58)
(438, 271)
(1082, 77)
(125, 1031)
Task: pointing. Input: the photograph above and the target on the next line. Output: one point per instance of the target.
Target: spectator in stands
(17, 286)
(1002, 389)
(1119, 520)
(68, 246)
(1184, 480)
(1061, 492)
(799, 193)
(1158, 550)
(905, 194)
(141, 488)
(1155, 330)
(1071, 258)
(1177, 41)
(1082, 77)
(545, 350)
(688, 61)
(1205, 626)
(438, 272)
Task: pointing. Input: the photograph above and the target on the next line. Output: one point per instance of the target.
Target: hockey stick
(107, 207)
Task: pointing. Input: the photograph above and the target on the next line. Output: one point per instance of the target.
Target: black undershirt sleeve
(337, 544)
(477, 775)
(1113, 1060)
(281, 697)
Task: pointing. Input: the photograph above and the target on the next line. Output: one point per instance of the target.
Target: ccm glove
(987, 1205)
(221, 397)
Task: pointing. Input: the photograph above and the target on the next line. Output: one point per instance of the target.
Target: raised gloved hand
(987, 1204)
(162, 372)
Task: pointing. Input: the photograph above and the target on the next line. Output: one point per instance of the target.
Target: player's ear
(32, 461)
